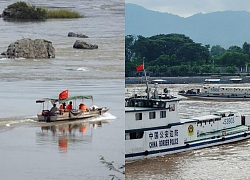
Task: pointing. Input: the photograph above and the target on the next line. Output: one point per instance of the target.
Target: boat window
(162, 104)
(140, 104)
(152, 115)
(136, 135)
(172, 107)
(149, 104)
(138, 116)
(155, 104)
(127, 136)
(163, 114)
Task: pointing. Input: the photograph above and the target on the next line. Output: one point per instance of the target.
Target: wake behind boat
(153, 126)
(73, 111)
(214, 92)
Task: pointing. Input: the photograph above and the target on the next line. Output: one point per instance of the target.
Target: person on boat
(54, 110)
(62, 106)
(69, 106)
(83, 107)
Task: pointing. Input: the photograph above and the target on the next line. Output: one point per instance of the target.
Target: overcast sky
(185, 8)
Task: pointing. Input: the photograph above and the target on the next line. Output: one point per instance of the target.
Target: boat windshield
(144, 103)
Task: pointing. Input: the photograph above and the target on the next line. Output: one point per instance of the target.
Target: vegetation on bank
(24, 11)
(62, 13)
(178, 55)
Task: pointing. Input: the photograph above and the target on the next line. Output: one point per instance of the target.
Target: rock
(83, 45)
(80, 35)
(30, 49)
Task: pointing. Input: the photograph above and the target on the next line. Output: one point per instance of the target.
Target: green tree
(233, 58)
(217, 51)
(231, 69)
(129, 43)
(234, 49)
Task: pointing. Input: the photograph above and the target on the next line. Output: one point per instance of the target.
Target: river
(32, 150)
(229, 161)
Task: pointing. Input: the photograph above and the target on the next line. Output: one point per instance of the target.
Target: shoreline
(188, 80)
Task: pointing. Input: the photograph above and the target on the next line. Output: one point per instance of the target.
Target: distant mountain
(225, 28)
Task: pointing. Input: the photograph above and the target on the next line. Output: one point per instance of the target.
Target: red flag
(64, 95)
(139, 68)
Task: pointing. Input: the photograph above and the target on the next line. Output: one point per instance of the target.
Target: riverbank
(189, 80)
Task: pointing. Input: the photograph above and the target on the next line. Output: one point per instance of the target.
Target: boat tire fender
(187, 145)
(146, 153)
(245, 134)
(223, 138)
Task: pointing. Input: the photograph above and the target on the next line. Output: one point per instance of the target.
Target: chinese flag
(64, 95)
(139, 68)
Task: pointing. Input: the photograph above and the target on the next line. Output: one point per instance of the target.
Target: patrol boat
(63, 114)
(153, 126)
(218, 93)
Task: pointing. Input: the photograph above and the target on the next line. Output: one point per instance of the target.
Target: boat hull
(72, 115)
(190, 146)
(215, 97)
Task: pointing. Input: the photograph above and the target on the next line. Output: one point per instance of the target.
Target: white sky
(185, 8)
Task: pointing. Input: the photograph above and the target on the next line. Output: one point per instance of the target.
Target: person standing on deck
(69, 106)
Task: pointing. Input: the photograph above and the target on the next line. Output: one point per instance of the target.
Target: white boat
(68, 115)
(217, 92)
(153, 127)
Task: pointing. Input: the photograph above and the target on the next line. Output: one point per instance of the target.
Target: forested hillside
(178, 55)
(224, 28)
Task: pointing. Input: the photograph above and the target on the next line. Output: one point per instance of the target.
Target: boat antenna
(146, 79)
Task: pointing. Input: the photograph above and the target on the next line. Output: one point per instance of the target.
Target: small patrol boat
(153, 126)
(77, 110)
(218, 93)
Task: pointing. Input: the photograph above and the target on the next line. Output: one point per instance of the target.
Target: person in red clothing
(69, 106)
(83, 107)
(62, 106)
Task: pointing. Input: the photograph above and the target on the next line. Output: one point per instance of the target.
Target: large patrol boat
(153, 126)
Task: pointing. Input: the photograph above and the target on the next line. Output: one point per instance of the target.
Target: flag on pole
(64, 95)
(140, 68)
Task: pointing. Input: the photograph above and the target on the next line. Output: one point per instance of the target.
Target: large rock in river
(83, 45)
(30, 49)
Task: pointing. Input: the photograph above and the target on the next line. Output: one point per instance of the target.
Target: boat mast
(148, 90)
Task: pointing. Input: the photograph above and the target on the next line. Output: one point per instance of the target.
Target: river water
(229, 162)
(33, 150)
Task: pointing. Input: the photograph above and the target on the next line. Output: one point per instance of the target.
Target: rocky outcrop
(84, 45)
(79, 35)
(30, 49)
